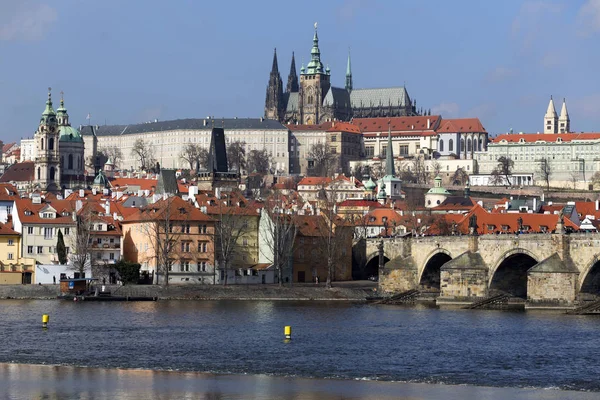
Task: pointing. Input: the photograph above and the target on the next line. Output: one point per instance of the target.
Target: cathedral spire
(315, 66)
(348, 74)
(564, 122)
(49, 110)
(389, 154)
(292, 83)
(551, 118)
(275, 68)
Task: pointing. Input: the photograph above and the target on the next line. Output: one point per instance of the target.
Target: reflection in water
(20, 381)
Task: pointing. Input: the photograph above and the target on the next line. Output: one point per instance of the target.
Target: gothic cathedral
(315, 100)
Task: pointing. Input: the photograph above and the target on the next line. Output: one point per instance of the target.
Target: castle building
(314, 100)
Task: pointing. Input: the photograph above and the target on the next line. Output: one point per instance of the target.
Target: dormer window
(28, 213)
(65, 213)
(46, 215)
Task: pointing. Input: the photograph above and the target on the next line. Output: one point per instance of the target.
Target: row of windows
(186, 266)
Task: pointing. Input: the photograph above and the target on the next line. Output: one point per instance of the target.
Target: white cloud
(447, 110)
(533, 22)
(484, 112)
(26, 20)
(588, 18)
(500, 74)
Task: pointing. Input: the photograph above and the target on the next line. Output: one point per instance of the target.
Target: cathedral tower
(551, 118)
(564, 122)
(292, 82)
(71, 149)
(314, 84)
(348, 75)
(47, 165)
(274, 104)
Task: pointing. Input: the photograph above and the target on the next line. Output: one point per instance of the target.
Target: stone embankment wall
(201, 292)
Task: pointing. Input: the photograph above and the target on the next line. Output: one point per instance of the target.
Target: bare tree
(460, 177)
(324, 163)
(574, 177)
(377, 170)
(436, 168)
(406, 174)
(420, 172)
(279, 230)
(81, 255)
(144, 153)
(503, 170)
(229, 229)
(236, 156)
(259, 161)
(596, 179)
(167, 225)
(195, 155)
(114, 153)
(545, 171)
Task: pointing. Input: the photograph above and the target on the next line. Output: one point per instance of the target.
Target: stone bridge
(542, 268)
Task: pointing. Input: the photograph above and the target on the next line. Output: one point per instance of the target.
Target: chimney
(428, 123)
(106, 208)
(81, 193)
(94, 191)
(203, 209)
(597, 204)
(535, 204)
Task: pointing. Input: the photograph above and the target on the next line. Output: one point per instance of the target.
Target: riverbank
(347, 291)
(22, 381)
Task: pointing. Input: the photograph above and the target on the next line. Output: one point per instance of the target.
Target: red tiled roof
(418, 123)
(338, 126)
(376, 217)
(8, 192)
(6, 229)
(23, 205)
(360, 203)
(314, 181)
(7, 147)
(156, 211)
(461, 125)
(550, 138)
(19, 172)
(144, 184)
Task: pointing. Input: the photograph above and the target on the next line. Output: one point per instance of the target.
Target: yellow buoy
(288, 332)
(45, 319)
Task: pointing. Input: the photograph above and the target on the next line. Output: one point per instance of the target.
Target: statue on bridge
(380, 252)
(519, 225)
(473, 224)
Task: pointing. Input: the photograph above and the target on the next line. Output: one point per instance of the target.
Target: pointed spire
(551, 118)
(292, 83)
(551, 112)
(563, 111)
(389, 154)
(348, 74)
(275, 68)
(315, 66)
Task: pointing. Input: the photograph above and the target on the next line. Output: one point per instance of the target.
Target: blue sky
(136, 60)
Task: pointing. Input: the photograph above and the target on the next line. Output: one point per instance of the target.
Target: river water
(235, 350)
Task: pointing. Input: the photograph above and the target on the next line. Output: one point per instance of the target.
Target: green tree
(61, 249)
(128, 271)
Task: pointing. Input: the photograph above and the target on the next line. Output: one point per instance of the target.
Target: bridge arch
(589, 278)
(429, 273)
(509, 274)
(371, 267)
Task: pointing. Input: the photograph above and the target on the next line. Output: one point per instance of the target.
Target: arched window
(51, 144)
(70, 161)
(52, 173)
(451, 145)
(469, 145)
(42, 143)
(441, 146)
(474, 144)
(39, 173)
(462, 145)
(481, 143)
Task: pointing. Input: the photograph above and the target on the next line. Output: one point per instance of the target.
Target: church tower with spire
(71, 149)
(274, 104)
(348, 74)
(551, 118)
(564, 122)
(314, 84)
(47, 164)
(292, 82)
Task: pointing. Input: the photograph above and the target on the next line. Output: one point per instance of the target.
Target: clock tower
(47, 162)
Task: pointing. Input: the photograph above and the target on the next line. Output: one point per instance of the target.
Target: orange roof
(6, 229)
(314, 181)
(24, 205)
(8, 192)
(180, 210)
(144, 184)
(541, 137)
(418, 123)
(376, 217)
(461, 125)
(338, 126)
